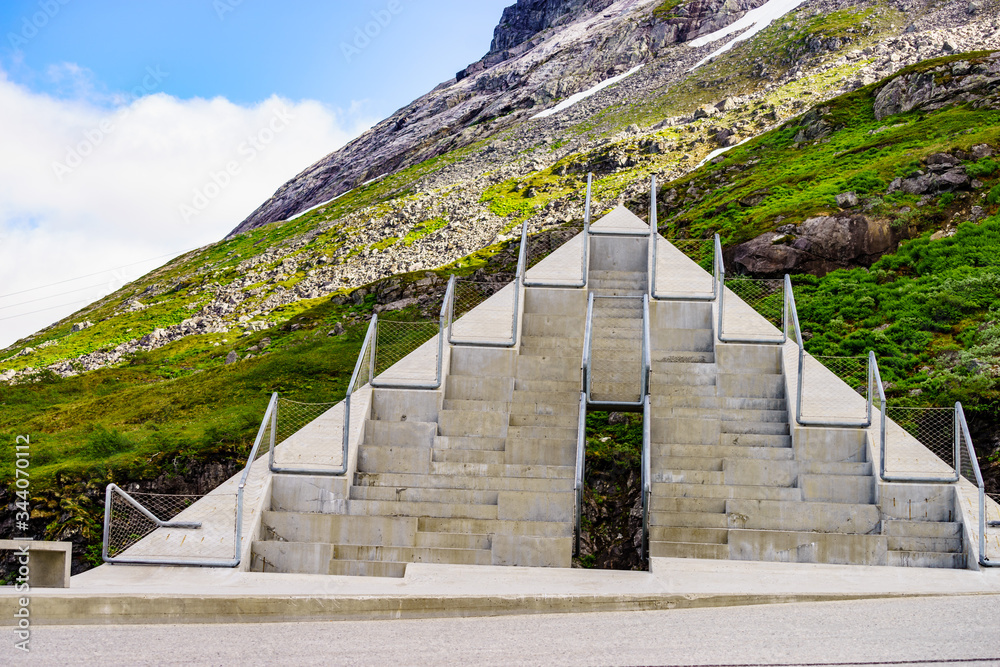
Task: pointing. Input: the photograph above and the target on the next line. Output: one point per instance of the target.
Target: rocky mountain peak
(527, 18)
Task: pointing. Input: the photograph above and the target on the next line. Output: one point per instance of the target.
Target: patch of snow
(343, 194)
(719, 151)
(752, 23)
(579, 97)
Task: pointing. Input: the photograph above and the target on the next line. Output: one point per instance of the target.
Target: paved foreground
(926, 631)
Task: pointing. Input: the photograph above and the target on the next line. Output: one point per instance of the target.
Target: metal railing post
(581, 462)
(587, 340)
(980, 484)
(647, 485)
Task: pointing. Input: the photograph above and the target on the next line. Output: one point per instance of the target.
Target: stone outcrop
(819, 245)
(975, 81)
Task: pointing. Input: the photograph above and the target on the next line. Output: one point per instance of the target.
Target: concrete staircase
(480, 473)
(730, 481)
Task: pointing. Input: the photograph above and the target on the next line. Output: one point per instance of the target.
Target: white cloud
(85, 187)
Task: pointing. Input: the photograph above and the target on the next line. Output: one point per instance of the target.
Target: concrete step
(493, 470)
(718, 451)
(567, 433)
(688, 519)
(482, 361)
(549, 386)
(736, 358)
(548, 400)
(726, 491)
(684, 368)
(667, 394)
(679, 356)
(690, 535)
(539, 407)
(684, 401)
(755, 427)
(476, 406)
(751, 385)
(563, 369)
(722, 414)
(688, 550)
(419, 509)
(569, 344)
(541, 451)
(394, 459)
(664, 504)
(469, 423)
(566, 326)
(495, 527)
(929, 529)
(662, 379)
(413, 555)
(307, 558)
(529, 352)
(685, 431)
(563, 420)
(854, 519)
(452, 541)
(423, 495)
(611, 274)
(667, 342)
(609, 289)
(400, 434)
(837, 488)
(754, 440)
(804, 546)
(926, 544)
(632, 324)
(688, 477)
(555, 301)
(468, 456)
(955, 561)
(659, 463)
(338, 528)
(479, 388)
(469, 442)
(466, 482)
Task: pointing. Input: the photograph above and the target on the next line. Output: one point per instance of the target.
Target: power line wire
(35, 312)
(46, 298)
(91, 275)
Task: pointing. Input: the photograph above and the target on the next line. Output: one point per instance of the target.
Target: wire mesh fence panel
(484, 311)
(309, 435)
(834, 389)
(135, 535)
(395, 341)
(541, 246)
(759, 310)
(685, 267)
(933, 428)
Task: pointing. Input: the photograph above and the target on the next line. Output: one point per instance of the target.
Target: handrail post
(581, 462)
(653, 240)
(647, 415)
(587, 339)
(977, 473)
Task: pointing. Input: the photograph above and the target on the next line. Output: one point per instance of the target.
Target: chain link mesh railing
(308, 437)
(761, 303)
(210, 533)
(684, 269)
(934, 428)
(394, 342)
(541, 245)
(184, 529)
(833, 391)
(493, 319)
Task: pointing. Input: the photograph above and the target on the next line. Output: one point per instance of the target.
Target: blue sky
(121, 116)
(248, 50)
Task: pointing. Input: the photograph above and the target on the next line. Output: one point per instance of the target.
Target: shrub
(102, 443)
(993, 198)
(983, 168)
(866, 183)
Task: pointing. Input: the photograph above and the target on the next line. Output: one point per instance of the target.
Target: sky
(123, 121)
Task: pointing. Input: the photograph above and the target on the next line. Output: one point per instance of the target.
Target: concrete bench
(49, 562)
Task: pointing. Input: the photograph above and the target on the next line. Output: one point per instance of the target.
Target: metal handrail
(974, 460)
(647, 478)
(584, 255)
(587, 337)
(581, 451)
(237, 557)
(519, 281)
(720, 273)
(647, 352)
(877, 377)
(792, 319)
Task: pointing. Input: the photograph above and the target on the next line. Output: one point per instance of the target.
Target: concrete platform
(123, 595)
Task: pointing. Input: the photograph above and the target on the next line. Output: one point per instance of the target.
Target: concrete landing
(146, 595)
